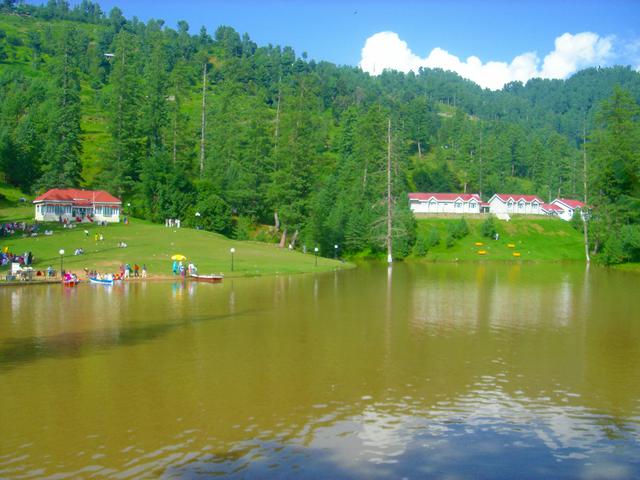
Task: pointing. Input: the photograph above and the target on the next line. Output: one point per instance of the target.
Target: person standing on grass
(144, 270)
(136, 269)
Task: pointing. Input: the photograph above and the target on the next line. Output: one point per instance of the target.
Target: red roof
(445, 197)
(77, 196)
(570, 203)
(551, 208)
(516, 197)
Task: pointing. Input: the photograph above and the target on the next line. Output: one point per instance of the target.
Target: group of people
(172, 222)
(179, 268)
(128, 271)
(7, 257)
(11, 228)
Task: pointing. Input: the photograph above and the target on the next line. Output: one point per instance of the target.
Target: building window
(472, 204)
(458, 204)
(521, 205)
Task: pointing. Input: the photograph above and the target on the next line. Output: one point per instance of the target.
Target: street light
(232, 250)
(197, 220)
(335, 251)
(61, 252)
(316, 252)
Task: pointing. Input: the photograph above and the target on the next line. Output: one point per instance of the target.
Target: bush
(450, 241)
(576, 220)
(489, 228)
(215, 214)
(242, 228)
(434, 238)
(623, 246)
(459, 229)
(421, 248)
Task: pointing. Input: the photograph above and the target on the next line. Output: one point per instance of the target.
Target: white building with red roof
(568, 207)
(77, 205)
(444, 202)
(515, 204)
(551, 209)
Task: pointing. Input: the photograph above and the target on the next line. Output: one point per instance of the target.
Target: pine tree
(61, 164)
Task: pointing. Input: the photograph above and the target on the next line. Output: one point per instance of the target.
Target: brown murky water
(468, 371)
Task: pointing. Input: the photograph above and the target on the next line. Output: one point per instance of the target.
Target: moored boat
(101, 281)
(212, 278)
(70, 280)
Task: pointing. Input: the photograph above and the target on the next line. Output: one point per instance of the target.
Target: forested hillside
(176, 123)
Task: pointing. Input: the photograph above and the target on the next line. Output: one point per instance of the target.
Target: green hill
(535, 238)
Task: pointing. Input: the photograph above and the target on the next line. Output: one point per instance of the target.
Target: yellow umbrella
(179, 257)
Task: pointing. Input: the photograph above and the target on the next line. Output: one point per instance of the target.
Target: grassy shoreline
(153, 245)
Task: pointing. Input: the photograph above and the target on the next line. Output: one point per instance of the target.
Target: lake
(417, 371)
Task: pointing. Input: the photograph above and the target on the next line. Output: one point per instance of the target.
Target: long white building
(515, 204)
(444, 202)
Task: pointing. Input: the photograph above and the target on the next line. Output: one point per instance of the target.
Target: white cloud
(385, 50)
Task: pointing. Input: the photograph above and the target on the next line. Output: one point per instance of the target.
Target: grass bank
(153, 245)
(534, 238)
(628, 267)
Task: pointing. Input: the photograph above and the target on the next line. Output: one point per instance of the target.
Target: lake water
(419, 371)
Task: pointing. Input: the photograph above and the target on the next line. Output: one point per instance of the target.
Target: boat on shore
(101, 281)
(70, 280)
(211, 278)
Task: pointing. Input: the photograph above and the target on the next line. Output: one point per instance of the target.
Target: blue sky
(492, 31)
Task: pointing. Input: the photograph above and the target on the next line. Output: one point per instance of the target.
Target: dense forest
(176, 123)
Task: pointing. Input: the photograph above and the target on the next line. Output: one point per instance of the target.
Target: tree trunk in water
(584, 178)
(203, 119)
(389, 210)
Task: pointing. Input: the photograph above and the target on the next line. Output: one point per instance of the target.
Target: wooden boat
(70, 280)
(100, 281)
(212, 278)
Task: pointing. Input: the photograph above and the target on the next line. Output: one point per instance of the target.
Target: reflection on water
(469, 371)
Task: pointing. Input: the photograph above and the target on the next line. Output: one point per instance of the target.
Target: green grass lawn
(153, 245)
(11, 208)
(536, 239)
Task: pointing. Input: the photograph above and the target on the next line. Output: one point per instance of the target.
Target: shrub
(489, 228)
(421, 248)
(434, 238)
(459, 229)
(623, 246)
(576, 220)
(450, 241)
(242, 228)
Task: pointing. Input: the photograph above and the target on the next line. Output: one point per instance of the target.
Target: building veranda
(74, 205)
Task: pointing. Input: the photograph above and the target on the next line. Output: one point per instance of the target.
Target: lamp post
(232, 250)
(61, 252)
(316, 253)
(197, 220)
(335, 251)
